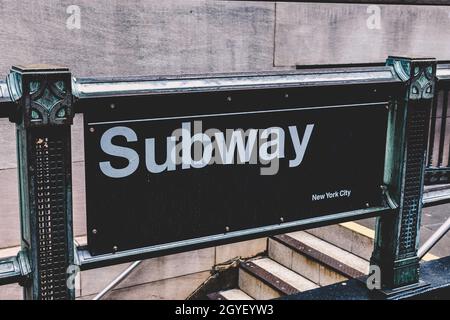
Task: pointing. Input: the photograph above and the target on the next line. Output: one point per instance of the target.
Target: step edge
(268, 278)
(302, 248)
(222, 293)
(361, 263)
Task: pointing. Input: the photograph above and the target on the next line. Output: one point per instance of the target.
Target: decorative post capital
(43, 94)
(397, 236)
(420, 74)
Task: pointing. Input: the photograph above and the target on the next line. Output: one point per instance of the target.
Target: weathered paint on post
(43, 118)
(397, 235)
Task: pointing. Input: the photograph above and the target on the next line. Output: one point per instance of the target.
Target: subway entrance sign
(179, 169)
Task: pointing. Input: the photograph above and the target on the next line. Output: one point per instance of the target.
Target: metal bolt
(115, 248)
(91, 129)
(227, 229)
(374, 90)
(113, 105)
(286, 95)
(229, 98)
(367, 205)
(281, 219)
(94, 231)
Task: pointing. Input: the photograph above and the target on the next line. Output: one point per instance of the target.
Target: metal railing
(393, 78)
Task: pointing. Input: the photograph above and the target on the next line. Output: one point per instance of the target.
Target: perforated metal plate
(417, 128)
(50, 165)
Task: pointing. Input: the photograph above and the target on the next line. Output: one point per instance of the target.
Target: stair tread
(235, 294)
(290, 277)
(332, 251)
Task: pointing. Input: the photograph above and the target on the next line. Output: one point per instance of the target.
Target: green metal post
(44, 115)
(397, 236)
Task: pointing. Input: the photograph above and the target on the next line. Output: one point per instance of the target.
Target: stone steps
(314, 258)
(265, 278)
(296, 262)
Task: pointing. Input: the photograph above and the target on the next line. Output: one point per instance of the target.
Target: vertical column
(397, 235)
(43, 95)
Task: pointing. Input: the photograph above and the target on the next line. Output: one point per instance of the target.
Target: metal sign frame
(211, 223)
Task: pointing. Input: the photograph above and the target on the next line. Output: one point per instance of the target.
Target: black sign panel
(149, 183)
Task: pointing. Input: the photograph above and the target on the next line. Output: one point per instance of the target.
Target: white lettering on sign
(344, 193)
(119, 151)
(215, 148)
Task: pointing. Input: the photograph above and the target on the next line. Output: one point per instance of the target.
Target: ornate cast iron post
(397, 236)
(43, 95)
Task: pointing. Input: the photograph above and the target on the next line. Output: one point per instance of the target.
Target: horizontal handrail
(92, 88)
(88, 88)
(443, 71)
(106, 87)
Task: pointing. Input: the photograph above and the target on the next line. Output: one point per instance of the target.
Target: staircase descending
(301, 261)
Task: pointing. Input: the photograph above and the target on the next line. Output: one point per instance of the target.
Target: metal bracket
(9, 271)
